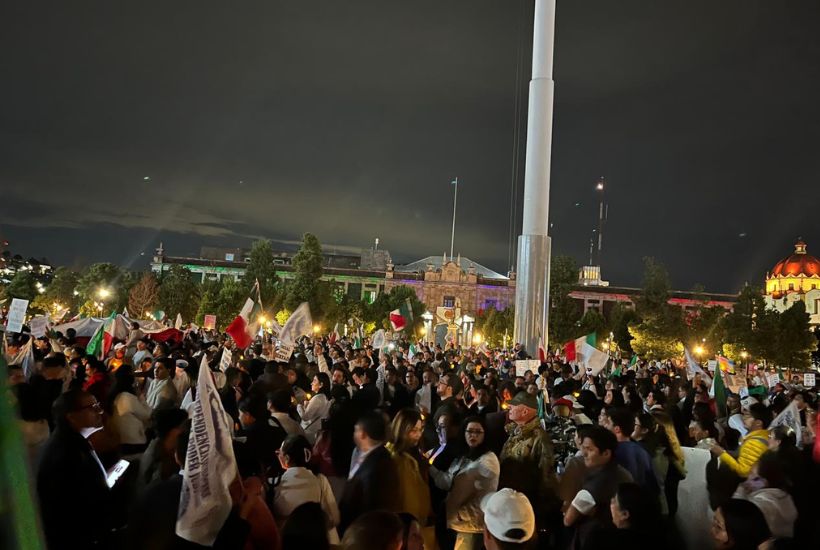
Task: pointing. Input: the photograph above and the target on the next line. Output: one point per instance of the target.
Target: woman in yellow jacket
(414, 493)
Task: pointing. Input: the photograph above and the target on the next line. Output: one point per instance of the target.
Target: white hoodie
(777, 507)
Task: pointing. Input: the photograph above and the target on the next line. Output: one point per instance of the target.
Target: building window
(449, 301)
(491, 304)
(354, 290)
(229, 257)
(791, 286)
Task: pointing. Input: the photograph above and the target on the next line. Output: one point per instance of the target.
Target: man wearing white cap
(509, 521)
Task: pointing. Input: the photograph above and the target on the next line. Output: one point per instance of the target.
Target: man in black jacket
(373, 480)
(75, 501)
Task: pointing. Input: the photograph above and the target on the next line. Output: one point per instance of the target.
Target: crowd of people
(408, 447)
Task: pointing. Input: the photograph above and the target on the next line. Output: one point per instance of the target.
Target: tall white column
(532, 271)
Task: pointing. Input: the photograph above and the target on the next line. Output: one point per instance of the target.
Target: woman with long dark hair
(317, 406)
(468, 480)
(129, 415)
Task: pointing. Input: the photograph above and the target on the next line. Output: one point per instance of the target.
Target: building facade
(795, 278)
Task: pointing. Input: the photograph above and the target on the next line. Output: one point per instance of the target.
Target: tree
(143, 296)
(63, 290)
(564, 311)
(738, 325)
(261, 268)
(794, 341)
(307, 264)
(658, 331)
(493, 325)
(592, 321)
(229, 301)
(109, 279)
(178, 293)
(22, 286)
(619, 319)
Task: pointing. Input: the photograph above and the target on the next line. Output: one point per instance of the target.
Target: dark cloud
(349, 119)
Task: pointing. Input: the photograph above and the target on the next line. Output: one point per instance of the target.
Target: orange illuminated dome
(799, 272)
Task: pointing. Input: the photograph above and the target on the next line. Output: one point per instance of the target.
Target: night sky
(350, 118)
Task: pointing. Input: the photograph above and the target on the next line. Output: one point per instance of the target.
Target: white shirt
(290, 425)
(131, 415)
(298, 486)
(312, 414)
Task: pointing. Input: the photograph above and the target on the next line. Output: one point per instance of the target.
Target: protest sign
(808, 379)
(17, 315)
(523, 365)
(38, 326)
(789, 417)
(209, 323)
(210, 467)
(226, 360)
(773, 379)
(283, 352)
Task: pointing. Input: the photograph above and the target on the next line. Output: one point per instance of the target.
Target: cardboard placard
(17, 315)
(523, 365)
(809, 379)
(226, 360)
(773, 379)
(38, 326)
(283, 352)
(209, 322)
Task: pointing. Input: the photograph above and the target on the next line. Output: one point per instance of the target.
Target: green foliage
(229, 301)
(307, 264)
(261, 268)
(592, 321)
(659, 329)
(793, 341)
(565, 313)
(493, 324)
(22, 286)
(178, 293)
(61, 290)
(619, 319)
(105, 276)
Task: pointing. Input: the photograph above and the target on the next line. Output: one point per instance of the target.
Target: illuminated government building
(795, 278)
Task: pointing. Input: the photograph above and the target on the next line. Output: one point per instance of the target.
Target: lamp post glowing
(477, 339)
(316, 329)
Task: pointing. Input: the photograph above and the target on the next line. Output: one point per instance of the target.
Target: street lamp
(699, 350)
(316, 329)
(103, 293)
(477, 338)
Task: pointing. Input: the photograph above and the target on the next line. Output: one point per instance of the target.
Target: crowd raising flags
(210, 466)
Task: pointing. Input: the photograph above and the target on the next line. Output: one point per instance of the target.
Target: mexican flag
(357, 342)
(542, 352)
(100, 343)
(572, 347)
(633, 363)
(718, 392)
(399, 318)
(244, 328)
(335, 336)
(583, 351)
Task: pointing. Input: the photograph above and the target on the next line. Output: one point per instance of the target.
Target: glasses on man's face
(95, 405)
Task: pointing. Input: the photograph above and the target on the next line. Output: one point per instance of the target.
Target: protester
(376, 530)
(71, 481)
(297, 485)
(317, 407)
(373, 476)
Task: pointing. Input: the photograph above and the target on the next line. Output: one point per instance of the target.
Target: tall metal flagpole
(455, 202)
(532, 271)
